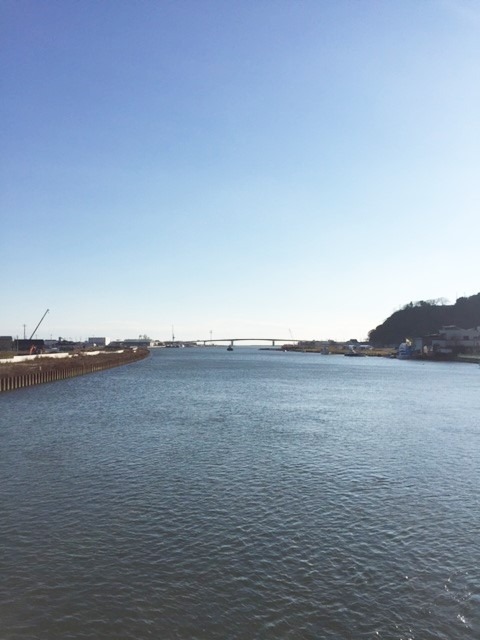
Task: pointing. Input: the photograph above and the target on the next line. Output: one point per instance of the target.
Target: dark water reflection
(253, 494)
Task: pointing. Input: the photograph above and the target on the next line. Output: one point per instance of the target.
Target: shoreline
(34, 370)
(392, 354)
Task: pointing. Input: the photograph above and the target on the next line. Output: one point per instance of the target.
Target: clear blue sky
(248, 168)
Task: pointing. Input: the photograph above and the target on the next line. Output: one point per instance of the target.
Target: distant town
(450, 342)
(61, 345)
(426, 329)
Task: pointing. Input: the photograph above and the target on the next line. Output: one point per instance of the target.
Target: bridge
(273, 341)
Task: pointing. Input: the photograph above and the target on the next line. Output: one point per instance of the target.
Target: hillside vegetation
(424, 318)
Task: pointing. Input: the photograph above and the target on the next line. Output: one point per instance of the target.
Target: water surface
(253, 494)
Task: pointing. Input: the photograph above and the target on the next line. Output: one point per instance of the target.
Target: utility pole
(24, 334)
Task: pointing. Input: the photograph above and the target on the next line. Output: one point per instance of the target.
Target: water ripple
(266, 496)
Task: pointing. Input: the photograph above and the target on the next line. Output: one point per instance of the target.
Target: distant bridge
(273, 341)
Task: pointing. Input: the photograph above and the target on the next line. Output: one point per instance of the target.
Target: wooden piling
(25, 374)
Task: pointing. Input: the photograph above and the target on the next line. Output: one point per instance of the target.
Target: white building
(451, 339)
(97, 342)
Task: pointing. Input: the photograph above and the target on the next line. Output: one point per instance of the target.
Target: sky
(263, 168)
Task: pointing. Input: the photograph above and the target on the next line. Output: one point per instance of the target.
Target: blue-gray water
(253, 494)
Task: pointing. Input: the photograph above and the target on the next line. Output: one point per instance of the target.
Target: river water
(254, 494)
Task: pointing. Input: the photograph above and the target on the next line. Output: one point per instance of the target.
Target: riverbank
(387, 352)
(459, 357)
(341, 350)
(32, 370)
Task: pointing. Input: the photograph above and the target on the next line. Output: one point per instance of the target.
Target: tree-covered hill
(426, 317)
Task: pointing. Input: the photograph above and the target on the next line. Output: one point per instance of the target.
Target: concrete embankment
(38, 370)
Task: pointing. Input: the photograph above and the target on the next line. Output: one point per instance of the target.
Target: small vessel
(229, 348)
(405, 350)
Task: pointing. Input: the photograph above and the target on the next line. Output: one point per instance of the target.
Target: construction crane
(41, 320)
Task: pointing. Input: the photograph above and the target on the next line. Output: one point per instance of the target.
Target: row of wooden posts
(47, 374)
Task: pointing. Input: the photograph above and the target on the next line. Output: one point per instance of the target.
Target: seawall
(17, 375)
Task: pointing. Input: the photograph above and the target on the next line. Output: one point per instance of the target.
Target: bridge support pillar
(273, 343)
